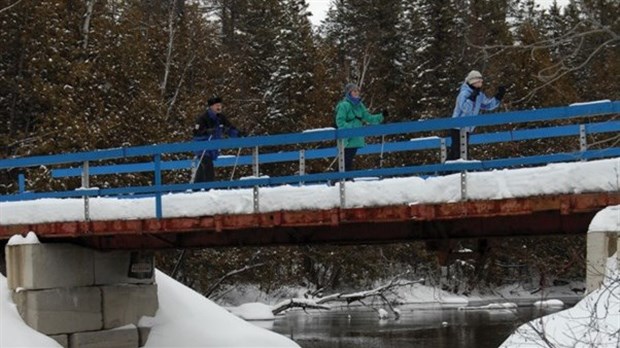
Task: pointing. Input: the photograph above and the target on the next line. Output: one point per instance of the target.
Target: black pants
(205, 171)
(349, 154)
(455, 148)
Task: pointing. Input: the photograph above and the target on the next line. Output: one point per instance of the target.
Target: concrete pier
(82, 297)
(603, 243)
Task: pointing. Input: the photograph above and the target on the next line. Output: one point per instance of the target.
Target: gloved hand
(474, 94)
(501, 90)
(385, 113)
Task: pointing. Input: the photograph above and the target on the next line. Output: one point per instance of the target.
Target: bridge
(96, 284)
(300, 207)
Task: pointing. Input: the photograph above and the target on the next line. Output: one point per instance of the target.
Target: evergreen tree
(415, 62)
(596, 57)
(441, 55)
(292, 67)
(369, 42)
(488, 27)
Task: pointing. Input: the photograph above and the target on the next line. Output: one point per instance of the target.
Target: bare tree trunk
(90, 4)
(178, 89)
(365, 64)
(171, 32)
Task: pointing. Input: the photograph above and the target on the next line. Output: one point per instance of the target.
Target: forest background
(94, 74)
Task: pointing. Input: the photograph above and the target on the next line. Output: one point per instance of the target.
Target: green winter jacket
(353, 116)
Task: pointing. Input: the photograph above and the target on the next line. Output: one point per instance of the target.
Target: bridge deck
(541, 215)
(111, 215)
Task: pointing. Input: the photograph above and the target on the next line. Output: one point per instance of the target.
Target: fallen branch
(348, 298)
(297, 303)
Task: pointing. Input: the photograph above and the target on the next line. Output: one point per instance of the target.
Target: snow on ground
(253, 311)
(594, 321)
(187, 319)
(499, 306)
(184, 319)
(593, 176)
(13, 331)
(606, 220)
(548, 304)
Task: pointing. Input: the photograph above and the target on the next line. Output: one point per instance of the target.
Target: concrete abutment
(81, 297)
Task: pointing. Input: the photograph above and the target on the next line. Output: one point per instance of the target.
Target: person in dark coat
(469, 102)
(211, 125)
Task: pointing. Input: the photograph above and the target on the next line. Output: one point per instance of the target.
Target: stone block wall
(82, 297)
(61, 310)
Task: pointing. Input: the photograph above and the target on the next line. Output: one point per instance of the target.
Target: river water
(447, 328)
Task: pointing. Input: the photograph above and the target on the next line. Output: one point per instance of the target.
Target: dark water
(415, 328)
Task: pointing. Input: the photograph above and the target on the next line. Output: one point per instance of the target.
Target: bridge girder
(532, 216)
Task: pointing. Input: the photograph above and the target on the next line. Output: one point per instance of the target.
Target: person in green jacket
(352, 113)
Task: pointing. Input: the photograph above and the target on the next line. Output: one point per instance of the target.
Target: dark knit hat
(214, 100)
(349, 87)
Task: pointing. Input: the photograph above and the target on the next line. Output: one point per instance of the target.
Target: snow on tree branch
(348, 298)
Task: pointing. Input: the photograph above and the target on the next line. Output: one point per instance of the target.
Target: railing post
(341, 170)
(21, 183)
(302, 164)
(85, 185)
(443, 151)
(583, 141)
(158, 207)
(463, 140)
(256, 173)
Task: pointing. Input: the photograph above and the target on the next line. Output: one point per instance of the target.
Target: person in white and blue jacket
(211, 125)
(469, 102)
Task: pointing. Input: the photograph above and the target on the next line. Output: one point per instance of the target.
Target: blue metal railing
(412, 145)
(156, 166)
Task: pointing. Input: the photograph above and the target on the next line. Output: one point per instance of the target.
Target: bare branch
(232, 273)
(551, 74)
(178, 89)
(547, 81)
(10, 6)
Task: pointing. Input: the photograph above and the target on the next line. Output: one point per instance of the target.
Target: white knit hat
(473, 76)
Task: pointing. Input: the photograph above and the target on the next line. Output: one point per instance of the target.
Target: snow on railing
(322, 136)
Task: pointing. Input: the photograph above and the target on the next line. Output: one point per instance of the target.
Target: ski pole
(195, 168)
(235, 166)
(332, 164)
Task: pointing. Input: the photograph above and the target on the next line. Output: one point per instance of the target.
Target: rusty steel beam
(541, 215)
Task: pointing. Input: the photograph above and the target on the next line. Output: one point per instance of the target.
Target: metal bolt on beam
(86, 184)
(464, 185)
